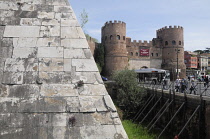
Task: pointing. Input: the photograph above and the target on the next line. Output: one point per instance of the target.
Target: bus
(152, 75)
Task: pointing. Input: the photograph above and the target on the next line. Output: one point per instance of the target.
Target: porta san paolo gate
(166, 51)
(50, 87)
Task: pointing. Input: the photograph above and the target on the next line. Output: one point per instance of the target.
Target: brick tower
(172, 49)
(114, 40)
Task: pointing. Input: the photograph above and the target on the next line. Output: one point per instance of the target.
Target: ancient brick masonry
(113, 38)
(162, 51)
(172, 42)
(50, 87)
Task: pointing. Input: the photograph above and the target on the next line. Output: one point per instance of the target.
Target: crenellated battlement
(169, 27)
(111, 23)
(142, 43)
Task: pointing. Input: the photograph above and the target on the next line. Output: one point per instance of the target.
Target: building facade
(191, 60)
(202, 63)
(165, 51)
(207, 55)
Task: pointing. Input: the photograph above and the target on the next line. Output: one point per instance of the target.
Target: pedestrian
(177, 84)
(192, 87)
(164, 83)
(183, 85)
(206, 81)
(189, 78)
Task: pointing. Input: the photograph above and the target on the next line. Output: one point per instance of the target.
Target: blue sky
(144, 17)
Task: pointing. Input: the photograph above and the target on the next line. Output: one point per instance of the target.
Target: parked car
(104, 78)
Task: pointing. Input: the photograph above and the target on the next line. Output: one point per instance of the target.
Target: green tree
(83, 18)
(199, 51)
(99, 56)
(88, 38)
(207, 50)
(129, 95)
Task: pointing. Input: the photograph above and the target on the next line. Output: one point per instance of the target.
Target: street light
(177, 72)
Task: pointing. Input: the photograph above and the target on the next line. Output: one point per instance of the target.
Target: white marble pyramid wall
(50, 87)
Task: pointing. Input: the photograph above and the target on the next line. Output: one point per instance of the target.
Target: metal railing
(200, 89)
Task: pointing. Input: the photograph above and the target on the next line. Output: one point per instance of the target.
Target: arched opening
(123, 37)
(131, 53)
(180, 43)
(137, 54)
(118, 37)
(105, 38)
(144, 67)
(166, 42)
(111, 37)
(173, 42)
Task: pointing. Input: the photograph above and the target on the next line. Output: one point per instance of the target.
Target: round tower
(114, 41)
(172, 42)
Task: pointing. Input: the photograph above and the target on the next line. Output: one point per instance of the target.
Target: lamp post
(177, 64)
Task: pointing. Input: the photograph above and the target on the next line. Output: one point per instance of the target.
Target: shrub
(129, 95)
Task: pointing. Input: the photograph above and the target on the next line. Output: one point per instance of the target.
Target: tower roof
(50, 86)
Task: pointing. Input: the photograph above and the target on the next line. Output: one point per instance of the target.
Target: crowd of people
(181, 85)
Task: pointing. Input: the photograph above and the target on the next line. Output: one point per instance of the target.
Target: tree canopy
(207, 50)
(129, 95)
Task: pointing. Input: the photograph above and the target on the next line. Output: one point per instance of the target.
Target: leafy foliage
(207, 50)
(99, 67)
(88, 38)
(99, 56)
(199, 51)
(129, 95)
(83, 18)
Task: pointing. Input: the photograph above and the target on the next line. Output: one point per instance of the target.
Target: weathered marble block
(87, 104)
(24, 42)
(51, 64)
(21, 52)
(21, 31)
(24, 91)
(30, 22)
(12, 78)
(49, 31)
(50, 52)
(84, 65)
(69, 23)
(74, 53)
(8, 5)
(55, 90)
(48, 42)
(65, 15)
(46, 15)
(74, 43)
(50, 22)
(55, 77)
(62, 9)
(21, 64)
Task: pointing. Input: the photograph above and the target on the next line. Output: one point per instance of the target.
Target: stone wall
(139, 63)
(92, 45)
(156, 63)
(50, 87)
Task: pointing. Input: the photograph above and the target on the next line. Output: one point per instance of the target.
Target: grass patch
(135, 132)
